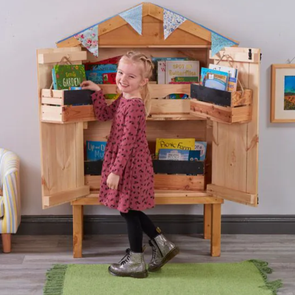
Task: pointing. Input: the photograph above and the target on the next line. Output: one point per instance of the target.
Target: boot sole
(168, 257)
(138, 275)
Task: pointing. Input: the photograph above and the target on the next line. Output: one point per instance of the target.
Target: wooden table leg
(77, 230)
(207, 221)
(6, 243)
(216, 230)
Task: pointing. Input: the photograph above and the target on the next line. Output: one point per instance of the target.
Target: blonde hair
(147, 66)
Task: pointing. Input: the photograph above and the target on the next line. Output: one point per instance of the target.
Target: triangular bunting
(133, 17)
(218, 42)
(171, 22)
(89, 39)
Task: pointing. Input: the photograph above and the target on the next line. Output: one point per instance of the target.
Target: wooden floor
(22, 272)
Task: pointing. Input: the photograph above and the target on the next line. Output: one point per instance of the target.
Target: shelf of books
(180, 90)
(179, 163)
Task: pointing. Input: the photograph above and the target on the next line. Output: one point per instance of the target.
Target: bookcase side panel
(235, 148)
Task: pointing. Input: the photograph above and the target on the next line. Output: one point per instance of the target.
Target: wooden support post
(216, 230)
(77, 230)
(207, 221)
(6, 242)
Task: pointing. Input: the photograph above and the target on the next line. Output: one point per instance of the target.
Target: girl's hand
(113, 181)
(90, 85)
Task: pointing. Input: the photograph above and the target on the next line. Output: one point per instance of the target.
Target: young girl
(127, 174)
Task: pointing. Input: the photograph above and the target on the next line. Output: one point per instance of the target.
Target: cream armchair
(10, 214)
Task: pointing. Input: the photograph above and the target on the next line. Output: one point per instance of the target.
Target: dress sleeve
(103, 112)
(132, 125)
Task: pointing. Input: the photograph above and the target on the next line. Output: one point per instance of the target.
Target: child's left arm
(134, 117)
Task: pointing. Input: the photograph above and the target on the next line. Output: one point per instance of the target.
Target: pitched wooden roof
(111, 30)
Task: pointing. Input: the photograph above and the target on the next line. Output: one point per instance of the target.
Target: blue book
(195, 155)
(173, 155)
(214, 79)
(95, 150)
(202, 147)
(96, 75)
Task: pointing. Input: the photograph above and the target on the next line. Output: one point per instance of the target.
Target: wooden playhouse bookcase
(230, 170)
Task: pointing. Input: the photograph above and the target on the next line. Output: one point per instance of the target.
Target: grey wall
(27, 26)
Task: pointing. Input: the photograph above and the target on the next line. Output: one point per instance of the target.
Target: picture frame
(282, 93)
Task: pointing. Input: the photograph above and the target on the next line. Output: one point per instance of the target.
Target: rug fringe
(55, 280)
(264, 269)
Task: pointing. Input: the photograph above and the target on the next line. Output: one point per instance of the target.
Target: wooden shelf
(162, 197)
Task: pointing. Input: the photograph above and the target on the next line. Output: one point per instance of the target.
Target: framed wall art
(282, 93)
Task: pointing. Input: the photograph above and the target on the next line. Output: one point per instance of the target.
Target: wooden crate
(64, 106)
(221, 106)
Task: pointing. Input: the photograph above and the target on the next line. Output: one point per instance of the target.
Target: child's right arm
(102, 110)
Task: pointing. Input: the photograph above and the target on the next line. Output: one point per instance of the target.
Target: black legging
(137, 223)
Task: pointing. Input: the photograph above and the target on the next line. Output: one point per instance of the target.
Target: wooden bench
(212, 215)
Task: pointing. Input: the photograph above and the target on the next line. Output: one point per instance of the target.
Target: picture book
(193, 79)
(186, 68)
(173, 155)
(214, 79)
(195, 155)
(95, 150)
(155, 61)
(174, 143)
(178, 96)
(66, 76)
(202, 147)
(233, 75)
(109, 78)
(96, 75)
(161, 72)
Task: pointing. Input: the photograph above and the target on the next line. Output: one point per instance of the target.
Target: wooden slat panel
(179, 182)
(242, 97)
(51, 114)
(233, 195)
(69, 42)
(157, 90)
(64, 196)
(253, 131)
(176, 129)
(241, 114)
(161, 198)
(78, 113)
(152, 35)
(52, 93)
(79, 151)
(198, 54)
(162, 182)
(99, 131)
(55, 57)
(229, 156)
(235, 148)
(170, 106)
(50, 100)
(239, 54)
(62, 163)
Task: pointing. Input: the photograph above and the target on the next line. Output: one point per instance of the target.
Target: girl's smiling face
(129, 79)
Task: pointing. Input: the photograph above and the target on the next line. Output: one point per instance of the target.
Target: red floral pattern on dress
(127, 154)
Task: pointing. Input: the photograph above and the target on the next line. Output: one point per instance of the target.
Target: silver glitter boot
(163, 251)
(131, 265)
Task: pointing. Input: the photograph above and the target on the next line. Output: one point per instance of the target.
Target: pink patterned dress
(127, 154)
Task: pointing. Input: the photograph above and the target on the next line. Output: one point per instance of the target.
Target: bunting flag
(171, 22)
(89, 39)
(133, 17)
(218, 42)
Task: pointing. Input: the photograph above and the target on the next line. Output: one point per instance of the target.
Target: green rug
(243, 278)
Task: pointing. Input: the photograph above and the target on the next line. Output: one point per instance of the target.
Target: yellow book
(174, 143)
